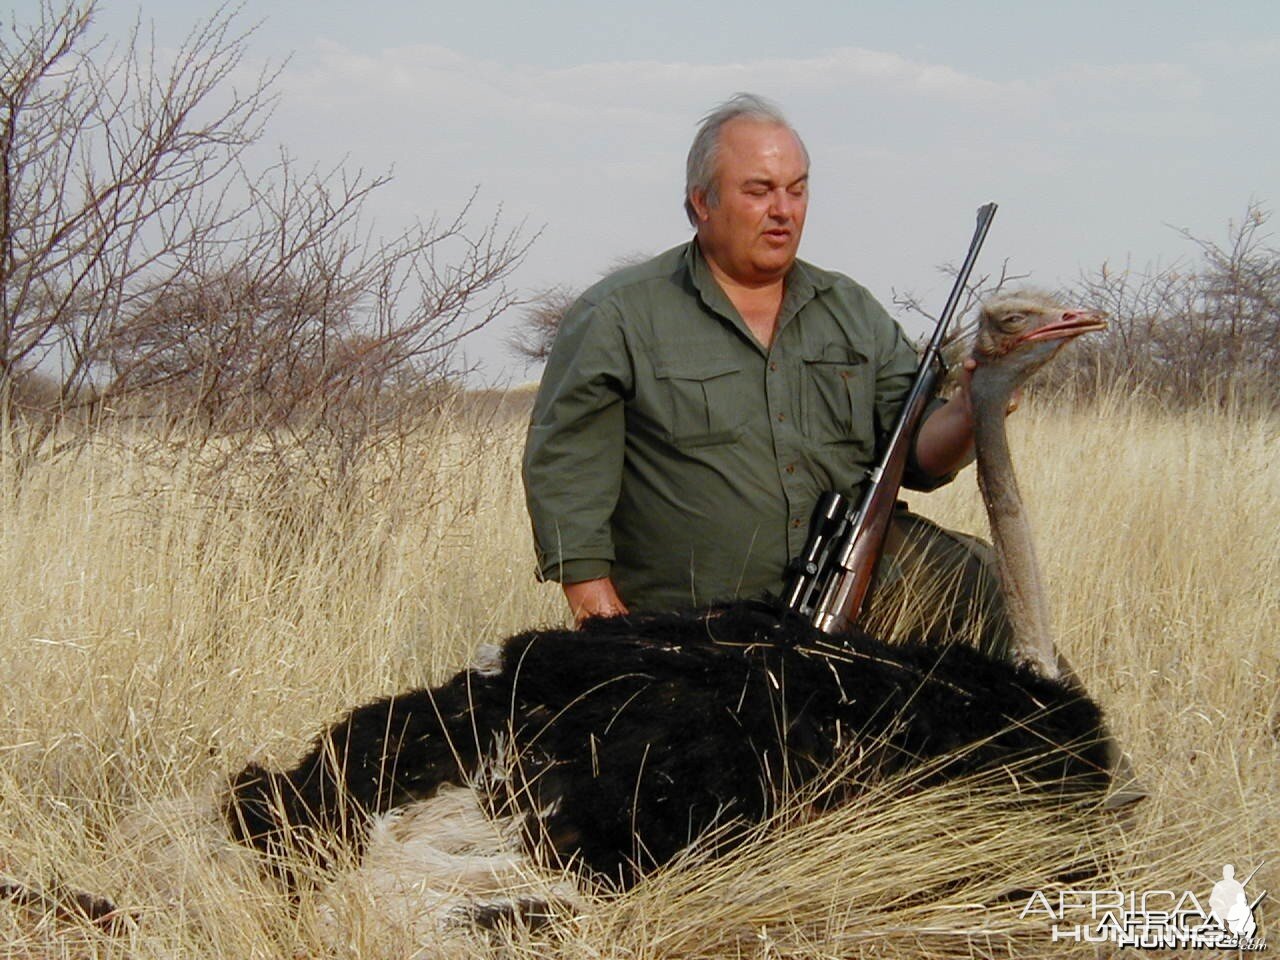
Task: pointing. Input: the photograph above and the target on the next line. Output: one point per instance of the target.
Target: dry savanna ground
(157, 631)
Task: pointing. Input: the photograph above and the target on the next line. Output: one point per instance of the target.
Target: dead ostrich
(612, 748)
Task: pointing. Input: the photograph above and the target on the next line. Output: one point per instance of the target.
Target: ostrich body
(614, 747)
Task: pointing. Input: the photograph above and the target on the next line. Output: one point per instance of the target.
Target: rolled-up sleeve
(574, 450)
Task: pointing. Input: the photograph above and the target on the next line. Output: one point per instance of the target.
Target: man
(694, 407)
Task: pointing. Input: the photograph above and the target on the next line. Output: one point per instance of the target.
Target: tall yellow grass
(156, 632)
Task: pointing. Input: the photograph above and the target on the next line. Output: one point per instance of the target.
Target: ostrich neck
(1025, 599)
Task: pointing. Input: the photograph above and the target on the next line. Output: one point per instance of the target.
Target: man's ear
(698, 200)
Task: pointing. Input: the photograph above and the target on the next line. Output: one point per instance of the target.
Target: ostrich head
(1016, 336)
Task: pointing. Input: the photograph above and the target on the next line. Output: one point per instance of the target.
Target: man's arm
(944, 442)
(573, 457)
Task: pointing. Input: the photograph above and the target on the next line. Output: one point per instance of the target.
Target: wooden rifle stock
(830, 579)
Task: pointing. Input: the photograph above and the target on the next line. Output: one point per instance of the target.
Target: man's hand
(945, 441)
(593, 598)
(964, 394)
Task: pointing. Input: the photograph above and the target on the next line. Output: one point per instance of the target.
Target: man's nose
(781, 207)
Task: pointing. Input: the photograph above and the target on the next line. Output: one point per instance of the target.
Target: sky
(1100, 128)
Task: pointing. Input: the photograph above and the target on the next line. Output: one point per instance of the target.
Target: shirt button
(781, 417)
(773, 365)
(796, 522)
(791, 468)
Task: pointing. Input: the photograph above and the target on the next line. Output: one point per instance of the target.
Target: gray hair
(704, 153)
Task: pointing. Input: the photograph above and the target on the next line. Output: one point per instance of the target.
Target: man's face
(753, 232)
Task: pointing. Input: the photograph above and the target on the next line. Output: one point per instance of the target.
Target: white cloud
(338, 75)
(904, 149)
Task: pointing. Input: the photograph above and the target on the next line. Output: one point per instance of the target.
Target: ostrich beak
(1073, 324)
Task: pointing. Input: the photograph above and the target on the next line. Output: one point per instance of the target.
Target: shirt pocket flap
(842, 353)
(694, 367)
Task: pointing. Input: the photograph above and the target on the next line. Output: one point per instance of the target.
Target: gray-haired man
(694, 407)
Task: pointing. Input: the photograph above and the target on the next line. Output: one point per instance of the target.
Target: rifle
(830, 578)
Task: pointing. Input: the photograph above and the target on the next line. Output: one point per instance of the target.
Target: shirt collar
(704, 281)
(803, 283)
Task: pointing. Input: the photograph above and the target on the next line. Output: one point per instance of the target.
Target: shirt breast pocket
(837, 396)
(702, 396)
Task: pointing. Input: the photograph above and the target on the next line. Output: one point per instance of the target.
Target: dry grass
(155, 635)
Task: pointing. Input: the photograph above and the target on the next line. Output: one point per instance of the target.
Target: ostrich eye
(1012, 322)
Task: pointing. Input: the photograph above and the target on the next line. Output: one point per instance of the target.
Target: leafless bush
(146, 271)
(1206, 331)
(959, 338)
(541, 319)
(1191, 333)
(312, 335)
(107, 169)
(540, 322)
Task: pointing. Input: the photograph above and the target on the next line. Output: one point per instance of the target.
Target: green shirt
(670, 450)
